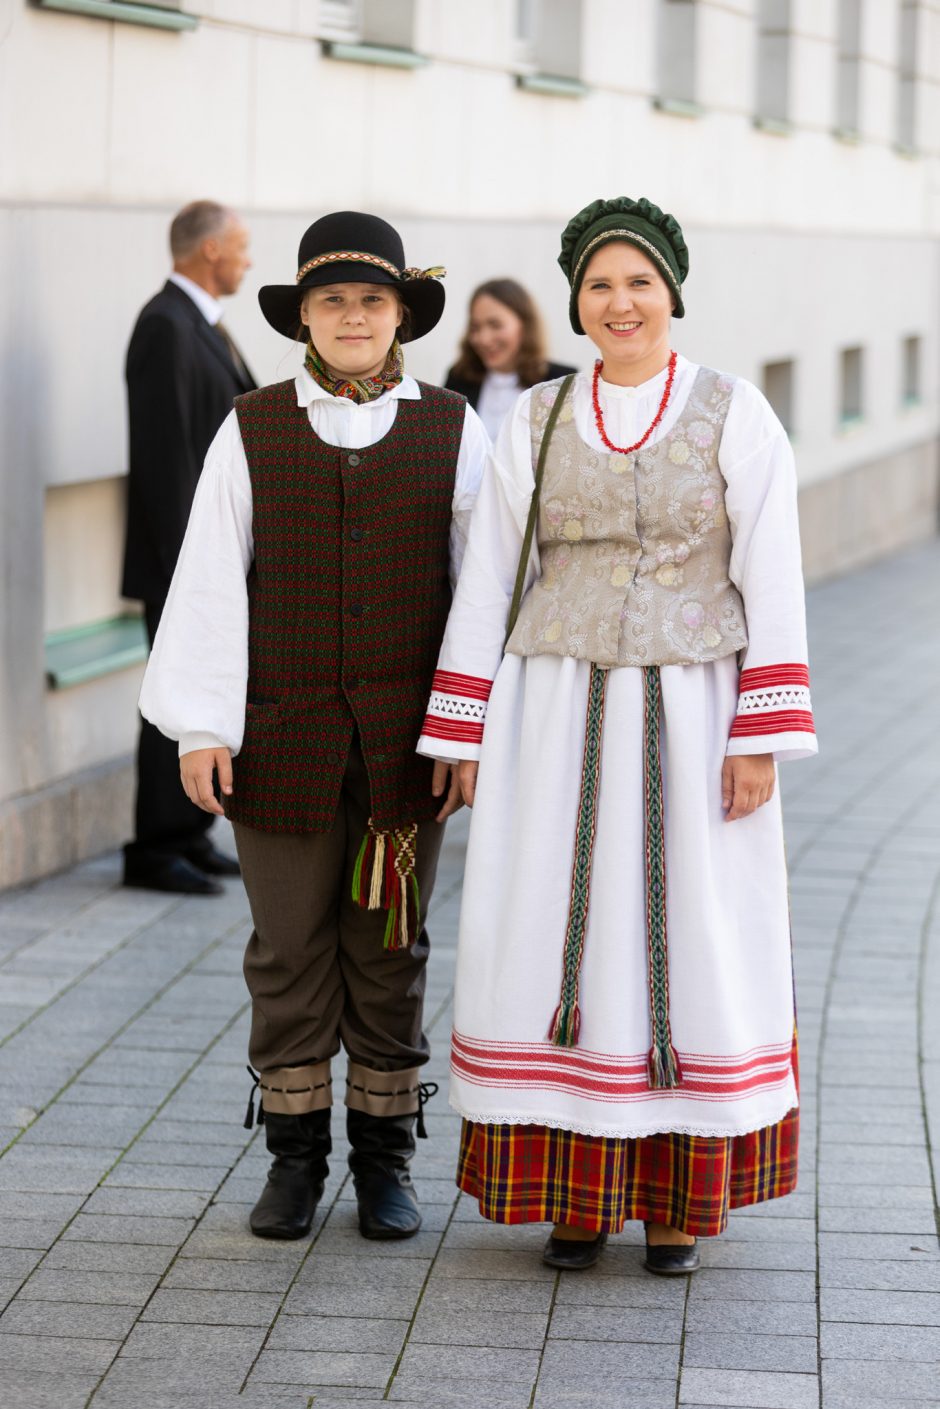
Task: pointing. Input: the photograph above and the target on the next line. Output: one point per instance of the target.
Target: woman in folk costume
(294, 660)
(624, 1041)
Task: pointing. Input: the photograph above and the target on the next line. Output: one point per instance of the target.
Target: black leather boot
(300, 1145)
(380, 1153)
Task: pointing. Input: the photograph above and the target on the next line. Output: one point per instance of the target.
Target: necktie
(233, 352)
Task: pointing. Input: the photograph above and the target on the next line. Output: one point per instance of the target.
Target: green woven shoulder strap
(534, 506)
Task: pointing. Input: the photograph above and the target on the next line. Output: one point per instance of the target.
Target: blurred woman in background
(502, 352)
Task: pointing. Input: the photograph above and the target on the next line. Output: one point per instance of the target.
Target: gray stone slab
(409, 1392)
(464, 1294)
(324, 1367)
(471, 1363)
(225, 1275)
(35, 1233)
(862, 1196)
(58, 1169)
(743, 1350)
(347, 1298)
(880, 1247)
(880, 1308)
(520, 1266)
(354, 1334)
(872, 1384)
(903, 1276)
(621, 1323)
(363, 1269)
(520, 1330)
(752, 1389)
(763, 1318)
(109, 1257)
(112, 1228)
(19, 1262)
(617, 1392)
(147, 1203)
(175, 1374)
(22, 1204)
(910, 1344)
(54, 1353)
(33, 1389)
(777, 1256)
(213, 1308)
(55, 1318)
(238, 1344)
(271, 1397)
(194, 1178)
(914, 1223)
(728, 1285)
(644, 1293)
(89, 1288)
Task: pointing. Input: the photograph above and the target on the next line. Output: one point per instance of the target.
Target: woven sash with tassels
(384, 879)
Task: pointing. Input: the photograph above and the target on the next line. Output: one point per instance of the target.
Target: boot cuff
(382, 1092)
(297, 1090)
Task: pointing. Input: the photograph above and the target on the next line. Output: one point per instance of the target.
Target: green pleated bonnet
(639, 223)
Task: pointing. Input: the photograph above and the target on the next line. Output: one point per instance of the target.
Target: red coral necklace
(599, 415)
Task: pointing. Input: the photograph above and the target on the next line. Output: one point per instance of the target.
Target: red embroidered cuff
(773, 699)
(457, 708)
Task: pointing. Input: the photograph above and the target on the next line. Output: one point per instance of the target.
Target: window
(848, 52)
(852, 404)
(370, 31)
(548, 46)
(778, 389)
(676, 55)
(159, 14)
(906, 134)
(910, 371)
(772, 104)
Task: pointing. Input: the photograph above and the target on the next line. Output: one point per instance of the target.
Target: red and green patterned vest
(348, 597)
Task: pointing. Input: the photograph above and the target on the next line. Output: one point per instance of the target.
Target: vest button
(355, 609)
(355, 533)
(353, 460)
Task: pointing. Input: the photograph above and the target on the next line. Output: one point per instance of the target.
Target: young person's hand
(445, 781)
(747, 782)
(196, 770)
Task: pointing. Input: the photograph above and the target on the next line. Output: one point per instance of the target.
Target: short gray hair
(198, 221)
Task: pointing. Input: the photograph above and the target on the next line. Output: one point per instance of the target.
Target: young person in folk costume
(294, 661)
(624, 1043)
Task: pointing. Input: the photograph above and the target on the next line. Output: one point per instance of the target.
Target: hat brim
(280, 303)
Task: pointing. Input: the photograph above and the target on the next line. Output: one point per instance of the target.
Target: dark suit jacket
(471, 390)
(181, 381)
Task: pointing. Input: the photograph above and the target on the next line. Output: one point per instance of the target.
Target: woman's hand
(467, 772)
(747, 782)
(196, 770)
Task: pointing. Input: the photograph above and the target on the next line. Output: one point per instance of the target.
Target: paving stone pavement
(127, 1272)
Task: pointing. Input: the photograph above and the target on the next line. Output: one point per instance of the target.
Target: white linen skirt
(730, 971)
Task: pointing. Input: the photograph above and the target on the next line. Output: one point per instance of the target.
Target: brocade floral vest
(634, 549)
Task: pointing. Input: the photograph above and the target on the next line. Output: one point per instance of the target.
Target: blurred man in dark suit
(183, 371)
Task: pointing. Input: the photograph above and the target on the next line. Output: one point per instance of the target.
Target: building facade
(798, 141)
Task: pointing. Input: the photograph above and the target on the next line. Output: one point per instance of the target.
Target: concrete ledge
(871, 511)
(67, 822)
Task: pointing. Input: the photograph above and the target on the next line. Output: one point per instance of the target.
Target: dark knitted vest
(348, 597)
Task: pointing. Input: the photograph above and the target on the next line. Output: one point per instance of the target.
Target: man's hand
(747, 782)
(445, 781)
(196, 770)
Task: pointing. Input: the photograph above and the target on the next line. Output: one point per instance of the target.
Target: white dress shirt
(209, 307)
(195, 683)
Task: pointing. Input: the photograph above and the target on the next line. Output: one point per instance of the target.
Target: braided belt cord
(663, 1063)
(566, 1023)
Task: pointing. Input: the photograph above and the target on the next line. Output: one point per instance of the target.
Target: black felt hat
(349, 247)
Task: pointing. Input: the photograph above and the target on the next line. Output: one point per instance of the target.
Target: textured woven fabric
(348, 597)
(352, 388)
(535, 1174)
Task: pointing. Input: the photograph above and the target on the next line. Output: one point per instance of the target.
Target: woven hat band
(350, 257)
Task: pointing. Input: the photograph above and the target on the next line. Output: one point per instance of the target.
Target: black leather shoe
(170, 873)
(300, 1145)
(380, 1155)
(209, 859)
(573, 1254)
(672, 1260)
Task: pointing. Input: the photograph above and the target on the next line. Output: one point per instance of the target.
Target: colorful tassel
(384, 879)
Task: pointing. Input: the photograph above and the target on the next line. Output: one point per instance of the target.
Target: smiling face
(495, 333)
(625, 307)
(352, 326)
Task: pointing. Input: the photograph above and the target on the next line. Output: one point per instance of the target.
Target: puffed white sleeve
(475, 451)
(196, 679)
(476, 628)
(774, 713)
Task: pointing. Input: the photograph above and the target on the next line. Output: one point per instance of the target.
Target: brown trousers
(315, 965)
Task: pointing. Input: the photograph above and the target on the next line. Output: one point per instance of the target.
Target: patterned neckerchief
(357, 389)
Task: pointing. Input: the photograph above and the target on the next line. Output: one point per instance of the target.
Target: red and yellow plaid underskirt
(533, 1174)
